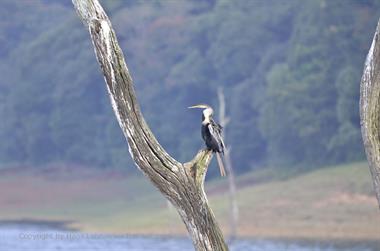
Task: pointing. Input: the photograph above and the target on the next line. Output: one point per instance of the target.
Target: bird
(212, 134)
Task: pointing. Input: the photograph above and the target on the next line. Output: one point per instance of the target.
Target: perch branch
(182, 184)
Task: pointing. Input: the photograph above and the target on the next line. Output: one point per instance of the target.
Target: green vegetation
(290, 70)
(330, 203)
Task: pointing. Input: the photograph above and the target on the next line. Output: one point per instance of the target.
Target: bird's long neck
(206, 120)
(206, 116)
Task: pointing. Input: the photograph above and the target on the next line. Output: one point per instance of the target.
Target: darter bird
(212, 134)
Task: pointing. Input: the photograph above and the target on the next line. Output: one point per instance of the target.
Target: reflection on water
(21, 237)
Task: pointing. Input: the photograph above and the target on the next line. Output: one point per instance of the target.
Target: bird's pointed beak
(198, 106)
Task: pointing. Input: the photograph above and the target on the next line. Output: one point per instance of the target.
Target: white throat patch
(207, 113)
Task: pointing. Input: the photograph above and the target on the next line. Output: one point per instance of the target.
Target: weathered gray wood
(182, 184)
(370, 110)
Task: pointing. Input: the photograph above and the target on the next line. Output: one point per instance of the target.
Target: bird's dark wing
(216, 136)
(220, 128)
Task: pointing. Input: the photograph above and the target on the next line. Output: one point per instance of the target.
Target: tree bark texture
(181, 184)
(370, 110)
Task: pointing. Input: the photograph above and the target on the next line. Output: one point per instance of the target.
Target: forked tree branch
(370, 109)
(182, 184)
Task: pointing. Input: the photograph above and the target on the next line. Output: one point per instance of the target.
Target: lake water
(33, 238)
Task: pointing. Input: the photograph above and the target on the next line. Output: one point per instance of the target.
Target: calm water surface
(32, 238)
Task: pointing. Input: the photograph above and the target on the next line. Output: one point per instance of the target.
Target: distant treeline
(290, 71)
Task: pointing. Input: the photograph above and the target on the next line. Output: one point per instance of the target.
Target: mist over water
(25, 238)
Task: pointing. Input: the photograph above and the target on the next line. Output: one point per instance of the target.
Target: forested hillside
(290, 71)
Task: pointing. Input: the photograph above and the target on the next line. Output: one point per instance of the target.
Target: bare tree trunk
(234, 209)
(370, 110)
(182, 184)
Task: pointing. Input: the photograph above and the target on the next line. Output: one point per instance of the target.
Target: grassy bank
(330, 203)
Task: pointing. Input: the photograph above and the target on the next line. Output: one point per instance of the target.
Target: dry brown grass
(331, 203)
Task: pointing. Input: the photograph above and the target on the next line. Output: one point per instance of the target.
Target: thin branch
(234, 208)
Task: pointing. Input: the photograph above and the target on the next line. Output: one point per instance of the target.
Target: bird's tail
(221, 165)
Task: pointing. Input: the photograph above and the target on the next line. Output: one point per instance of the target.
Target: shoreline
(40, 223)
(62, 225)
(330, 205)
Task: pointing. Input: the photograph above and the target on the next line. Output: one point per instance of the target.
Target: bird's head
(207, 112)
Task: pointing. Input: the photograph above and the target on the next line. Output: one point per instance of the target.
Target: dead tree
(234, 209)
(182, 184)
(370, 110)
